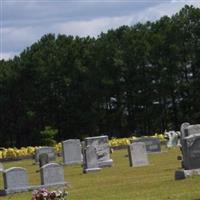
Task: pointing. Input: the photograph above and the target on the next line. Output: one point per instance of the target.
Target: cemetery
(149, 171)
(112, 115)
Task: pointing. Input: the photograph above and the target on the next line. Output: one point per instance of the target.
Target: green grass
(121, 182)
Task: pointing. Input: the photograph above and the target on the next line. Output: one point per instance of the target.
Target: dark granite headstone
(43, 159)
(191, 151)
(190, 148)
(48, 150)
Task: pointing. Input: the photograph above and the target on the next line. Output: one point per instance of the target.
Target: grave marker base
(183, 174)
(73, 163)
(60, 184)
(85, 171)
(106, 163)
(17, 190)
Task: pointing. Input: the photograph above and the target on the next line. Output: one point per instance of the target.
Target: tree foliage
(133, 80)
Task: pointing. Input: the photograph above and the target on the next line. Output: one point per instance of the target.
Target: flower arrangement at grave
(44, 194)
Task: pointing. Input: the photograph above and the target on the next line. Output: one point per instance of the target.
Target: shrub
(47, 136)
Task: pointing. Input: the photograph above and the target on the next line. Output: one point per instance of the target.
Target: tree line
(138, 79)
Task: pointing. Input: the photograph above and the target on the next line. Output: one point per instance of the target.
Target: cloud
(7, 56)
(95, 26)
(18, 33)
(15, 39)
(92, 27)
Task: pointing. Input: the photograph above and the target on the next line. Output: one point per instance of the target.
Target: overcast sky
(23, 22)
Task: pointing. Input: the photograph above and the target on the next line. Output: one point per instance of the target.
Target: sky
(23, 22)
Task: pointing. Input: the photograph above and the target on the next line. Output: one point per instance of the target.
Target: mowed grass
(121, 182)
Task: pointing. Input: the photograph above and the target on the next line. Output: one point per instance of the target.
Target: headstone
(43, 159)
(192, 129)
(190, 148)
(48, 150)
(189, 145)
(182, 130)
(82, 147)
(52, 174)
(72, 151)
(137, 154)
(183, 126)
(102, 149)
(15, 180)
(182, 136)
(152, 144)
(172, 137)
(191, 152)
(90, 161)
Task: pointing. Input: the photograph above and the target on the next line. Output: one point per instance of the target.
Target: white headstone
(52, 174)
(15, 180)
(172, 138)
(72, 151)
(90, 161)
(102, 149)
(137, 154)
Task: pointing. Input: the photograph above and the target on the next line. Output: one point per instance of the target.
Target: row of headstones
(190, 149)
(137, 153)
(96, 155)
(138, 150)
(16, 178)
(95, 152)
(75, 153)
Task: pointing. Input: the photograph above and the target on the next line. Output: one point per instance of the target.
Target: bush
(47, 136)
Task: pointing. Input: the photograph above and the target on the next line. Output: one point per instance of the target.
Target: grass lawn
(121, 182)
